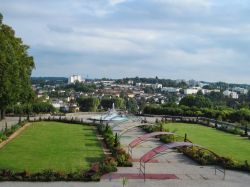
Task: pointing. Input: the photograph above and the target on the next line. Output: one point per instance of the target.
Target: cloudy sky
(178, 39)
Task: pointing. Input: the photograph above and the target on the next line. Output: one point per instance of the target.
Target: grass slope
(52, 145)
(224, 144)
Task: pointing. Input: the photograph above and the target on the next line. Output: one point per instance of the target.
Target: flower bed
(112, 141)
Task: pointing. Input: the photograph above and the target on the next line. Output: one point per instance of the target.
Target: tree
(119, 102)
(188, 101)
(196, 101)
(42, 107)
(15, 69)
(199, 93)
(88, 104)
(107, 102)
(132, 105)
(82, 87)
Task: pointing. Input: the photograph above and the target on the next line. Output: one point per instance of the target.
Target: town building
(231, 94)
(138, 84)
(240, 90)
(170, 89)
(72, 79)
(191, 91)
(156, 86)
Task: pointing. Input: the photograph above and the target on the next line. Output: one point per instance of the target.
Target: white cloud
(203, 57)
(176, 38)
(184, 4)
(115, 2)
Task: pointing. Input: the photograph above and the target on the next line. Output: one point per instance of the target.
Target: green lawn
(52, 145)
(224, 144)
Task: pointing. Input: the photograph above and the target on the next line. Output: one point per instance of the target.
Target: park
(62, 146)
(52, 145)
(224, 144)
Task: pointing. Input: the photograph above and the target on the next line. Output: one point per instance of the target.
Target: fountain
(111, 115)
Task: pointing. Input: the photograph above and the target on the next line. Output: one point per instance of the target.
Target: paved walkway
(177, 164)
(187, 173)
(14, 120)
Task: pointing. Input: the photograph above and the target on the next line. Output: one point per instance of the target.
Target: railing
(222, 170)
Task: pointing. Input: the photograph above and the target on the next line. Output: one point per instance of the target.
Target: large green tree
(107, 102)
(15, 70)
(196, 101)
(88, 104)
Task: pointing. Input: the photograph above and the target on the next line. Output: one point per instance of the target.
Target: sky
(178, 39)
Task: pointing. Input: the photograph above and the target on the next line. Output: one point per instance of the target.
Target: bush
(112, 142)
(96, 177)
(167, 138)
(109, 165)
(201, 156)
(2, 136)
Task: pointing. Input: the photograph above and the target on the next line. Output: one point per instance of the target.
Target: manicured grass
(52, 145)
(224, 144)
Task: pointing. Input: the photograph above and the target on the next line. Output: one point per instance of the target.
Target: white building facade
(191, 91)
(156, 86)
(170, 89)
(230, 94)
(240, 90)
(72, 79)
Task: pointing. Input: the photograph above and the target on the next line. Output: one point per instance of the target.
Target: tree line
(164, 82)
(94, 104)
(241, 116)
(213, 105)
(34, 108)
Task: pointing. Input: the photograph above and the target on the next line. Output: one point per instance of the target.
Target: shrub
(96, 177)
(2, 136)
(109, 165)
(167, 138)
(112, 142)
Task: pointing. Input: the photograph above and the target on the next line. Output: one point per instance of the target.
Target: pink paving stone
(146, 136)
(151, 161)
(160, 149)
(146, 157)
(139, 176)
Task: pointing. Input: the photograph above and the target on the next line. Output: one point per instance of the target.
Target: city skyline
(183, 39)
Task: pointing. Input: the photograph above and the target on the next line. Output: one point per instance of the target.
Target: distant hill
(49, 80)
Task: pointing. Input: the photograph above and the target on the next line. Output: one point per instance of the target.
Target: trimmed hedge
(93, 174)
(112, 142)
